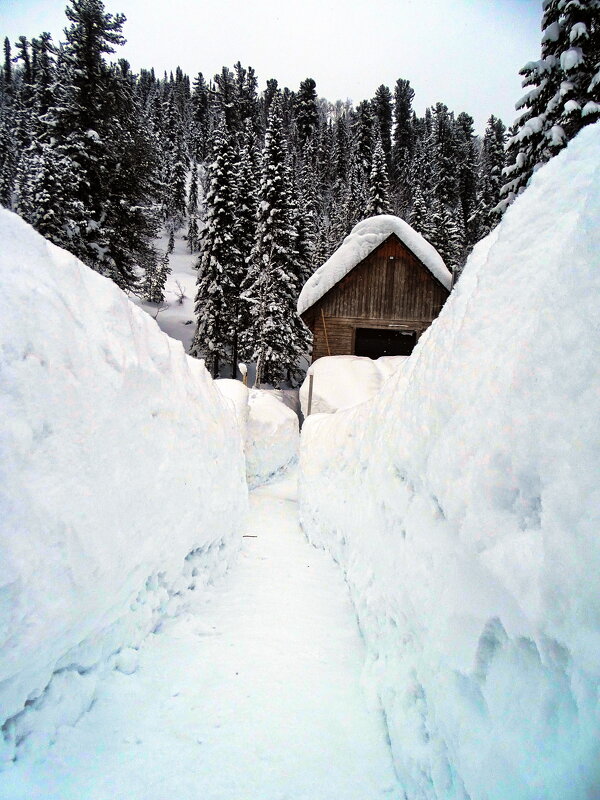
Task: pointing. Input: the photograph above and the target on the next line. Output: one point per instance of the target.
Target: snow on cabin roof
(361, 241)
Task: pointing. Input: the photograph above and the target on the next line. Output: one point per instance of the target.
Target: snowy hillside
(463, 504)
(121, 483)
(176, 315)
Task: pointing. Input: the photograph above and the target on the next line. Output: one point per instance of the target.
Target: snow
(253, 694)
(571, 58)
(237, 394)
(361, 241)
(343, 381)
(118, 460)
(272, 437)
(268, 427)
(462, 503)
(176, 316)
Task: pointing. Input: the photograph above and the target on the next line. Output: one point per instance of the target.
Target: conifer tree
(200, 105)
(278, 334)
(403, 144)
(218, 256)
(306, 112)
(192, 210)
(467, 170)
(364, 136)
(246, 201)
(420, 218)
(491, 164)
(378, 202)
(563, 91)
(155, 279)
(382, 107)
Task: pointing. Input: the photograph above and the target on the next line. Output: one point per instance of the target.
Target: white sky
(465, 53)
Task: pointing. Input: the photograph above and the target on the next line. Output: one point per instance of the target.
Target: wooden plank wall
(391, 288)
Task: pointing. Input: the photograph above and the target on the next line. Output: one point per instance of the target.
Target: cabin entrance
(376, 342)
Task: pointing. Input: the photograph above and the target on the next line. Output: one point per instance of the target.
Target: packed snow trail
(254, 695)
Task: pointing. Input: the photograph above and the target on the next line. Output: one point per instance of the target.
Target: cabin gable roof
(362, 242)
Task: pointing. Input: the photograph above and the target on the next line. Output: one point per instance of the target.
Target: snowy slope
(463, 504)
(176, 316)
(361, 241)
(121, 483)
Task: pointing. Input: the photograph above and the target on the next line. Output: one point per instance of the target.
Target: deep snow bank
(464, 504)
(121, 483)
(344, 381)
(272, 436)
(268, 426)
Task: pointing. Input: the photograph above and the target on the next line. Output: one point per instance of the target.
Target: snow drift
(269, 429)
(121, 483)
(272, 437)
(361, 241)
(464, 505)
(343, 381)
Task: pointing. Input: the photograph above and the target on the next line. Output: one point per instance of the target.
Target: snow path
(255, 695)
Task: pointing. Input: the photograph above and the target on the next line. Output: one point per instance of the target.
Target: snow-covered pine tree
(563, 91)
(8, 155)
(155, 279)
(491, 164)
(227, 100)
(379, 185)
(7, 70)
(192, 211)
(310, 205)
(175, 163)
(468, 176)
(577, 103)
(219, 256)
(403, 145)
(305, 110)
(129, 220)
(279, 336)
(102, 158)
(200, 118)
(382, 108)
(246, 202)
(363, 135)
(447, 233)
(420, 217)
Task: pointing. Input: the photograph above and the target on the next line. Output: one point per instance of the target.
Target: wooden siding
(390, 288)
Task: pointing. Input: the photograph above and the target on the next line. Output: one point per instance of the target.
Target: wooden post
(325, 330)
(310, 391)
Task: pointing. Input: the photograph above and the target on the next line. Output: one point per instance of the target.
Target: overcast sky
(465, 53)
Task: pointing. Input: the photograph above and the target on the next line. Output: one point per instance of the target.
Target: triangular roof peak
(359, 243)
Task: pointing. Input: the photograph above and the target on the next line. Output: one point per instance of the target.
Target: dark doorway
(376, 342)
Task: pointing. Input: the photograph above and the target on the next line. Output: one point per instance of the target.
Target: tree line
(266, 184)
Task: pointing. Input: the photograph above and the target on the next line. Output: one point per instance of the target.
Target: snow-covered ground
(122, 486)
(463, 503)
(344, 381)
(253, 694)
(176, 315)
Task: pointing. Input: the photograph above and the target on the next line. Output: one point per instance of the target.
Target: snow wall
(269, 429)
(122, 484)
(463, 503)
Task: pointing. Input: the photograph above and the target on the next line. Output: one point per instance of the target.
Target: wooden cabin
(380, 305)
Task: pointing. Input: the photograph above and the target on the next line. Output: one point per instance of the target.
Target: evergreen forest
(264, 183)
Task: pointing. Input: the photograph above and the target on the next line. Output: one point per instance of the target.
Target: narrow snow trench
(256, 695)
